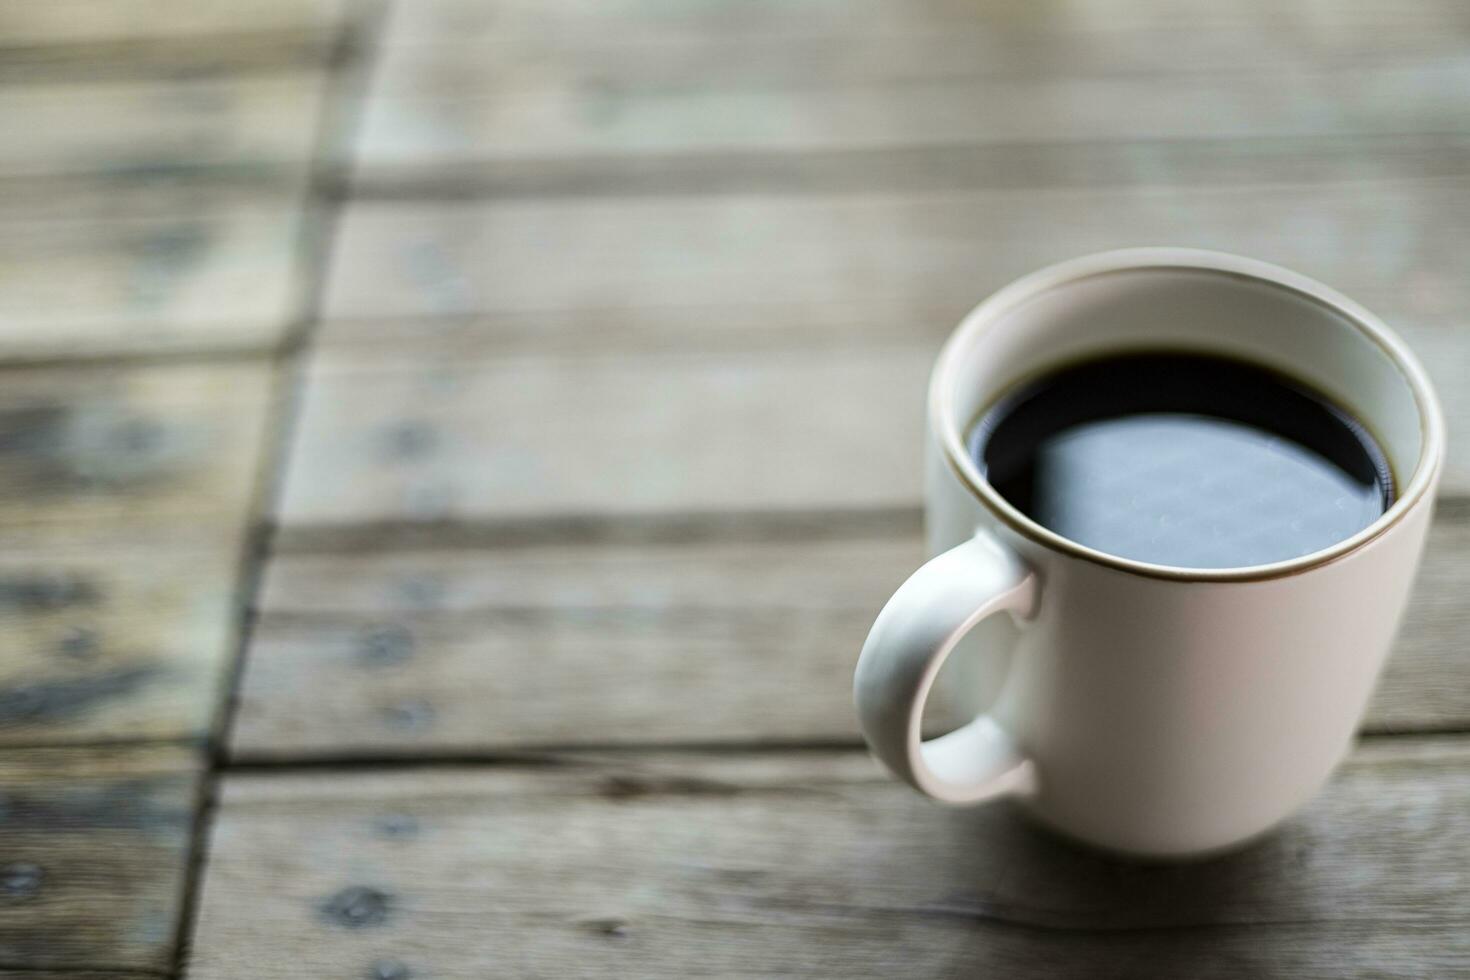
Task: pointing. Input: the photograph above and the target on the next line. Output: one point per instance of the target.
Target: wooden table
(451, 451)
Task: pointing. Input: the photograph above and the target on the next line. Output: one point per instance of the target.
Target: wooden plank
(122, 37)
(142, 448)
(821, 567)
(562, 644)
(1427, 683)
(531, 437)
(95, 843)
(452, 109)
(117, 267)
(115, 636)
(634, 67)
(453, 651)
(124, 497)
(64, 23)
(1357, 27)
(812, 864)
(824, 272)
(1394, 245)
(264, 123)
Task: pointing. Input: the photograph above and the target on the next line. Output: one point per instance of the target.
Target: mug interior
(1188, 301)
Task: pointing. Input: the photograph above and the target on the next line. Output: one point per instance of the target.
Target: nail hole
(21, 879)
(357, 907)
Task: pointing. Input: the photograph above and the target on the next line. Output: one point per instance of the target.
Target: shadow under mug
(1150, 709)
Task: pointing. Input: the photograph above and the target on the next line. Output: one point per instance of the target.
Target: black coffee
(1182, 459)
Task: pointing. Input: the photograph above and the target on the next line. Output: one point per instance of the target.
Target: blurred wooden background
(452, 450)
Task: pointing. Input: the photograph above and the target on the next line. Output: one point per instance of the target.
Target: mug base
(1145, 855)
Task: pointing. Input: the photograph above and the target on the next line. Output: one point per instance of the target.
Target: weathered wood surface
(540, 436)
(124, 498)
(150, 449)
(1173, 33)
(136, 37)
(117, 266)
(164, 212)
(152, 200)
(639, 94)
(1427, 682)
(451, 110)
(812, 864)
(918, 260)
(115, 635)
(562, 644)
(93, 848)
(746, 641)
(248, 123)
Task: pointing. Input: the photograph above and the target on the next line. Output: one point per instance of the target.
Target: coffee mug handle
(923, 621)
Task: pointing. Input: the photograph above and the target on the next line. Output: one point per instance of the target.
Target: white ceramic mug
(1149, 709)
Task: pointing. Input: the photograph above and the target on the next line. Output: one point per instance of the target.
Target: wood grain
(474, 650)
(131, 37)
(152, 449)
(562, 644)
(1355, 28)
(235, 123)
(93, 847)
(648, 96)
(448, 109)
(811, 863)
(532, 437)
(825, 259)
(1427, 682)
(124, 498)
(126, 267)
(114, 636)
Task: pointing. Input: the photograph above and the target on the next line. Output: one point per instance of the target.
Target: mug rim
(1008, 298)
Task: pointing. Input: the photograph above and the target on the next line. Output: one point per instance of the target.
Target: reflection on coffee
(1181, 459)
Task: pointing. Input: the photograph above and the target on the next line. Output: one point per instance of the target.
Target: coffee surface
(1186, 460)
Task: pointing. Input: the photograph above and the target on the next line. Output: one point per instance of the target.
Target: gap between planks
(553, 756)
